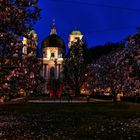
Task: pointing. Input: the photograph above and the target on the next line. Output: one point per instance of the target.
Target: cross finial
(53, 21)
(53, 30)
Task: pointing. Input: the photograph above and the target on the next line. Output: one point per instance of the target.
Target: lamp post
(55, 62)
(55, 78)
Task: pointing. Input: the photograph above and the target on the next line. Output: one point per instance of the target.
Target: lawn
(87, 121)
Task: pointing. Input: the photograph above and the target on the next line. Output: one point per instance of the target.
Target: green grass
(87, 121)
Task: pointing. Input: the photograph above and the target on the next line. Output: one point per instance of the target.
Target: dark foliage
(96, 52)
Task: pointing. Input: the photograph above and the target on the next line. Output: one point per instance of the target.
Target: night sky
(100, 21)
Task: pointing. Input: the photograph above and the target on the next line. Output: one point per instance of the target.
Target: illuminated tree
(108, 74)
(16, 18)
(133, 49)
(119, 70)
(75, 66)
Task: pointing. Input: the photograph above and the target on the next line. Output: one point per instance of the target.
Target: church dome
(53, 40)
(76, 32)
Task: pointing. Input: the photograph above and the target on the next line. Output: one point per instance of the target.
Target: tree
(119, 70)
(75, 66)
(17, 18)
(133, 49)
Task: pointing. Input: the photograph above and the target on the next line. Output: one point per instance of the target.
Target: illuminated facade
(53, 48)
(30, 45)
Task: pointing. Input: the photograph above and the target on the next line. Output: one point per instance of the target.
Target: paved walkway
(68, 101)
(57, 101)
(22, 99)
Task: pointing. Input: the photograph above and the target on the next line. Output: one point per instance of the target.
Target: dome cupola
(53, 40)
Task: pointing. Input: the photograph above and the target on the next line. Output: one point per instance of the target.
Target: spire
(53, 30)
(53, 22)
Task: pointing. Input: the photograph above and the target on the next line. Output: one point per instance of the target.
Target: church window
(59, 54)
(52, 56)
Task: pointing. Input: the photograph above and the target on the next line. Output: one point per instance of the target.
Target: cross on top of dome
(53, 29)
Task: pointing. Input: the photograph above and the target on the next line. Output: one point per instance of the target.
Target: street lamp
(55, 62)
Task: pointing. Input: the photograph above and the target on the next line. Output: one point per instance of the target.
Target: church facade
(54, 51)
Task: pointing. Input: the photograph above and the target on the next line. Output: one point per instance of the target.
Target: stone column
(59, 70)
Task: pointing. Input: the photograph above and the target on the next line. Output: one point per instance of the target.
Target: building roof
(32, 32)
(76, 32)
(53, 40)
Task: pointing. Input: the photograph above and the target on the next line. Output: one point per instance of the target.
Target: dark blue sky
(100, 21)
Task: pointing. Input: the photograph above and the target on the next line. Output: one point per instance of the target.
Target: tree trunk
(114, 98)
(77, 91)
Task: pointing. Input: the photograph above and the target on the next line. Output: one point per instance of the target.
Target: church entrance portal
(55, 88)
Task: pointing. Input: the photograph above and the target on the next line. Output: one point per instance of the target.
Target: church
(53, 50)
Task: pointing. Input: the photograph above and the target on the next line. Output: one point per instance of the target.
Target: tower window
(59, 54)
(77, 38)
(52, 55)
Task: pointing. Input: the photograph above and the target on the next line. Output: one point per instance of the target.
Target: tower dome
(76, 32)
(53, 40)
(74, 36)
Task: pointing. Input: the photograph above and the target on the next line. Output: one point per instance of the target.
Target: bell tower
(74, 36)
